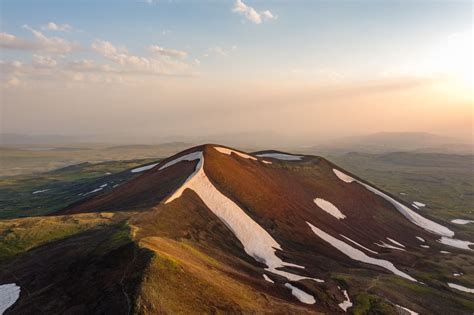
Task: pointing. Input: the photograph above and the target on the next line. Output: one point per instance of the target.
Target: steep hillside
(219, 230)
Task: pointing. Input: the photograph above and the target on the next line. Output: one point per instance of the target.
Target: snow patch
(361, 246)
(300, 294)
(344, 177)
(411, 215)
(229, 151)
(104, 185)
(347, 302)
(444, 252)
(424, 246)
(257, 242)
(462, 221)
(267, 278)
(93, 191)
(460, 287)
(457, 274)
(9, 294)
(395, 242)
(385, 245)
(356, 254)
(455, 243)
(40, 191)
(419, 204)
(407, 310)
(329, 208)
(282, 156)
(266, 162)
(421, 239)
(144, 168)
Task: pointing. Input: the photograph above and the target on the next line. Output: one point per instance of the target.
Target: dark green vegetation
(58, 188)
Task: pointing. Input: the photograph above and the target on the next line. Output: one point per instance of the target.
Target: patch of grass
(365, 303)
(20, 235)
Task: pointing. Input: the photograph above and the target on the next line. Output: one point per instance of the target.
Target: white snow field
(143, 168)
(356, 254)
(229, 151)
(9, 294)
(347, 302)
(460, 287)
(462, 221)
(361, 246)
(455, 243)
(300, 294)
(329, 208)
(257, 242)
(411, 215)
(282, 156)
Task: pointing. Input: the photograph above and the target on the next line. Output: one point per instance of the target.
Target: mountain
(383, 142)
(216, 230)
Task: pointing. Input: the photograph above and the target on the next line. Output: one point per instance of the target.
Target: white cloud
(40, 61)
(51, 26)
(168, 52)
(9, 41)
(251, 14)
(54, 45)
(162, 63)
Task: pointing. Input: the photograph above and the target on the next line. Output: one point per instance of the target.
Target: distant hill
(383, 142)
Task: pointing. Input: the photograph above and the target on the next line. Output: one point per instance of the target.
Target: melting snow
(419, 204)
(300, 294)
(9, 294)
(104, 185)
(424, 246)
(421, 239)
(357, 254)
(462, 221)
(144, 168)
(344, 177)
(455, 243)
(267, 278)
(444, 252)
(329, 208)
(229, 151)
(395, 242)
(40, 191)
(385, 245)
(411, 215)
(187, 157)
(460, 288)
(266, 162)
(409, 311)
(94, 191)
(361, 246)
(347, 303)
(282, 156)
(257, 242)
(457, 274)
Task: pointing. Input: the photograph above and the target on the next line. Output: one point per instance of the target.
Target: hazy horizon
(310, 73)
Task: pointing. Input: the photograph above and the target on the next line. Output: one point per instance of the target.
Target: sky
(309, 71)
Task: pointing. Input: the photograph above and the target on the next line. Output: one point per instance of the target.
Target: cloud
(51, 26)
(54, 45)
(251, 14)
(40, 61)
(9, 41)
(218, 50)
(163, 62)
(168, 52)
